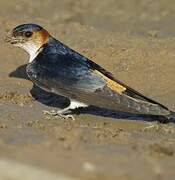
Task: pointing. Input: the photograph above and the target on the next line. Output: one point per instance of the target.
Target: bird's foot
(61, 113)
(66, 116)
(65, 113)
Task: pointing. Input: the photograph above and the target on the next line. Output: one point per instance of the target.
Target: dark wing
(76, 77)
(60, 72)
(128, 91)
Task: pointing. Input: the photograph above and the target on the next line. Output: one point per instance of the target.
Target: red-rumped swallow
(59, 69)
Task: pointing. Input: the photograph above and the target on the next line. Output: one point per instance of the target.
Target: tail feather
(171, 116)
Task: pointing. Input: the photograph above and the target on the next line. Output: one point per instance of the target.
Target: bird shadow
(54, 100)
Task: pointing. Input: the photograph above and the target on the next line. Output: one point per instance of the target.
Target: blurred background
(133, 39)
(136, 16)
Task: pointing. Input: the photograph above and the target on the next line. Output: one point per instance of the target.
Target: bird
(57, 68)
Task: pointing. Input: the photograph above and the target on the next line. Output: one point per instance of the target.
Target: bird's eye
(28, 34)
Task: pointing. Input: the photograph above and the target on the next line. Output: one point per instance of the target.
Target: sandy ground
(136, 42)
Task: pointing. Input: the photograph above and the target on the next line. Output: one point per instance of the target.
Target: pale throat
(31, 48)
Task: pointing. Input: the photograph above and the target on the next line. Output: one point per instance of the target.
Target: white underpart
(31, 48)
(76, 104)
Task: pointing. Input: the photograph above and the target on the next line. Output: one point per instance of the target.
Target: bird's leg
(61, 112)
(64, 112)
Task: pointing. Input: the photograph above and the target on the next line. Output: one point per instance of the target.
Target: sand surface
(136, 42)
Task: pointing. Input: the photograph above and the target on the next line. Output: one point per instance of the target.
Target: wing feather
(123, 88)
(72, 75)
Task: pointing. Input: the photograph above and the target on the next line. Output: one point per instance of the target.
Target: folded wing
(76, 77)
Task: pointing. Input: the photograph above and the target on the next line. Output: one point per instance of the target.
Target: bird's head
(30, 37)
